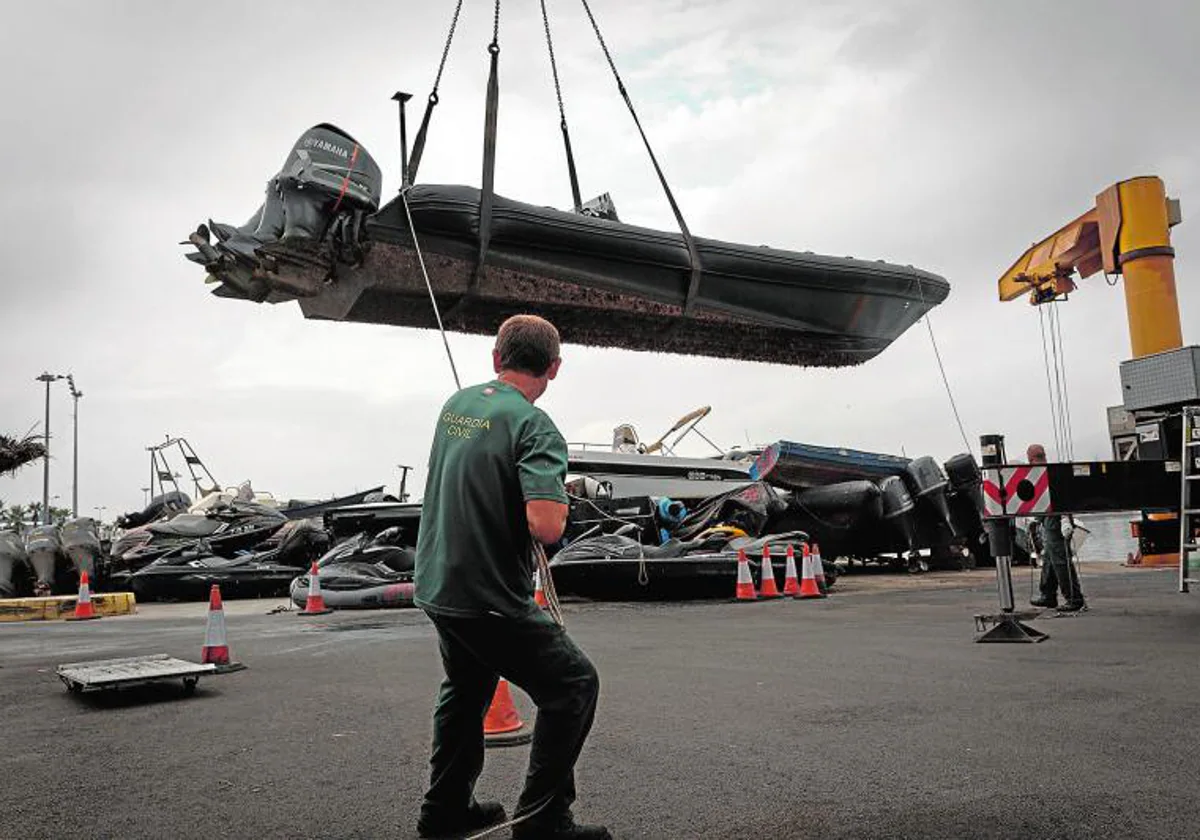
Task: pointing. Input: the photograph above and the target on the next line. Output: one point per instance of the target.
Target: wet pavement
(869, 714)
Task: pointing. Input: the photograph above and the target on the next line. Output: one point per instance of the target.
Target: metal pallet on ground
(132, 671)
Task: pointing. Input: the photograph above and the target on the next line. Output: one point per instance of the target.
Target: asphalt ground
(869, 714)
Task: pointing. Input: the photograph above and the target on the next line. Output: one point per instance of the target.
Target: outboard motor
(325, 173)
(927, 481)
(322, 196)
(44, 550)
(12, 555)
(966, 483)
(898, 508)
(81, 543)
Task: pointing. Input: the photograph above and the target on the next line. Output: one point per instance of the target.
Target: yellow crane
(1127, 232)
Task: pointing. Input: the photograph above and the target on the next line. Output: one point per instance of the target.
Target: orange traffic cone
(808, 581)
(502, 726)
(791, 583)
(539, 595)
(767, 587)
(83, 605)
(819, 570)
(315, 603)
(745, 584)
(216, 647)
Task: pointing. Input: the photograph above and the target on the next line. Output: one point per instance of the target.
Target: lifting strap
(491, 112)
(562, 114)
(419, 143)
(693, 254)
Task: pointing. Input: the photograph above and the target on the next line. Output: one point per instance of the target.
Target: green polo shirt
(492, 452)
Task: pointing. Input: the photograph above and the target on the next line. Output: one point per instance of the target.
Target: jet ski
(81, 543)
(226, 530)
(190, 574)
(51, 568)
(187, 572)
(320, 239)
(617, 567)
(14, 565)
(363, 573)
(163, 506)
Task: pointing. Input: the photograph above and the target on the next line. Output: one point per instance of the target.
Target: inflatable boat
(618, 568)
(363, 573)
(320, 238)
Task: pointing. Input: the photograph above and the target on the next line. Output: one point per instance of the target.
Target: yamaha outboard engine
(12, 556)
(326, 173)
(927, 481)
(898, 508)
(313, 214)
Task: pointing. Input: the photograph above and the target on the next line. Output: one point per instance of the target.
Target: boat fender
(670, 511)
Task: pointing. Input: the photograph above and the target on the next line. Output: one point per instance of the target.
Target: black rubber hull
(609, 284)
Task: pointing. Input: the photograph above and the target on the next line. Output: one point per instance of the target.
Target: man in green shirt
(495, 484)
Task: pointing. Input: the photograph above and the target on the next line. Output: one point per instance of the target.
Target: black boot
(479, 815)
(563, 829)
(1043, 600)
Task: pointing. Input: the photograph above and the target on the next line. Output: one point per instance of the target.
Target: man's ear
(552, 371)
(496, 360)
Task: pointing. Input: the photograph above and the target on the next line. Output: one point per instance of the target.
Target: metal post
(46, 457)
(47, 378)
(401, 98)
(75, 395)
(404, 470)
(1006, 626)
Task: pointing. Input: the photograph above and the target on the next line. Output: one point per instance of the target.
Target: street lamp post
(75, 395)
(47, 378)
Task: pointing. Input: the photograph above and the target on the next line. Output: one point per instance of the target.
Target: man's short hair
(528, 344)
(1035, 452)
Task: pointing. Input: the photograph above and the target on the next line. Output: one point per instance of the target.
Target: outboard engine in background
(14, 564)
(81, 543)
(966, 495)
(928, 483)
(898, 508)
(45, 556)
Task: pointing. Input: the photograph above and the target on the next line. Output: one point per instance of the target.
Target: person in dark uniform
(495, 484)
(1058, 572)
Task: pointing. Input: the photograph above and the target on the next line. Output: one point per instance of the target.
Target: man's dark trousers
(1057, 570)
(536, 655)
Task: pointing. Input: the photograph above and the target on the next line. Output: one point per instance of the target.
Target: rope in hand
(543, 569)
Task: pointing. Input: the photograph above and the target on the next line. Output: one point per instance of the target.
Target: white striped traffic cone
(315, 603)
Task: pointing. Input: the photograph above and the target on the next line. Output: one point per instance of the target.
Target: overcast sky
(948, 135)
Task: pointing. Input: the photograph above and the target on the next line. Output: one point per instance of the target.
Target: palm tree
(15, 453)
(15, 515)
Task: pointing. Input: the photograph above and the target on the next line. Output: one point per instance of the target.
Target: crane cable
(1058, 447)
(1056, 379)
(938, 356)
